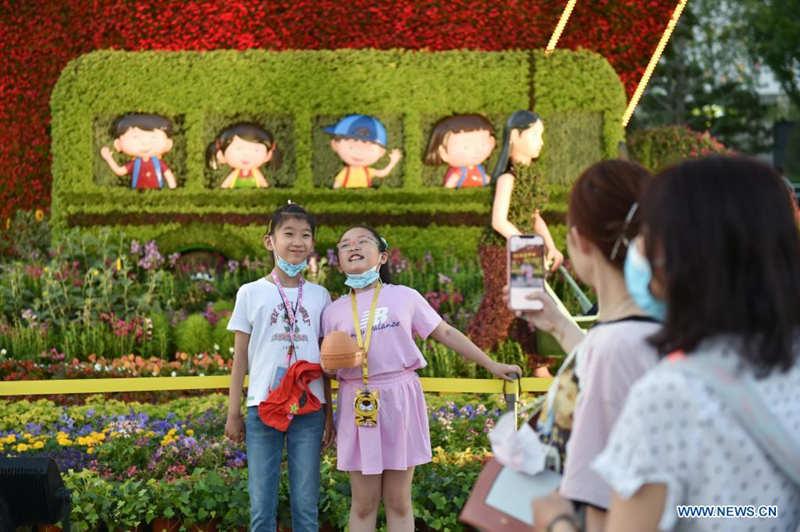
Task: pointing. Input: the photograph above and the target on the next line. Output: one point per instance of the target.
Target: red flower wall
(39, 37)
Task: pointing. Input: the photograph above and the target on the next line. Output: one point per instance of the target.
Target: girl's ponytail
(211, 154)
(384, 271)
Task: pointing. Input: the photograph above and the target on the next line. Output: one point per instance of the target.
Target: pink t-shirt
(609, 360)
(399, 314)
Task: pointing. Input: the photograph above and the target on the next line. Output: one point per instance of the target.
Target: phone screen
(525, 270)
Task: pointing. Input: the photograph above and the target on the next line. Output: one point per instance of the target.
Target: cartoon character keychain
(367, 402)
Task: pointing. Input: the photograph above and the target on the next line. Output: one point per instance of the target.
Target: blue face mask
(363, 279)
(292, 270)
(637, 279)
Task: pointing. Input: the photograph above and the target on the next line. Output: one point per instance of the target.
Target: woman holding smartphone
(717, 421)
(520, 195)
(602, 219)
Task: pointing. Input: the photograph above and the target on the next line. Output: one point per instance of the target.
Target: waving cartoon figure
(245, 147)
(464, 142)
(145, 138)
(359, 141)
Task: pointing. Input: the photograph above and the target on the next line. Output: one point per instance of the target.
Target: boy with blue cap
(359, 141)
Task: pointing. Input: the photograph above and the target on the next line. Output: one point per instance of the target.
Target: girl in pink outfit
(382, 427)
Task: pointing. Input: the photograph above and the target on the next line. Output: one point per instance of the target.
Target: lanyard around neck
(364, 343)
(291, 313)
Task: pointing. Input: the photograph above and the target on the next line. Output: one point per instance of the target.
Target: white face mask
(360, 280)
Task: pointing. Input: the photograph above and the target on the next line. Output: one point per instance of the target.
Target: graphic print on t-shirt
(279, 314)
(381, 319)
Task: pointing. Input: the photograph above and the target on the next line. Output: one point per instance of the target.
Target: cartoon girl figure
(245, 147)
(464, 142)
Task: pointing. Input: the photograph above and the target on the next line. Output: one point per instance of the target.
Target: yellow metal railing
(150, 384)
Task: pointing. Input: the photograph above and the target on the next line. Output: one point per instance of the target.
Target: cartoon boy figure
(145, 138)
(359, 141)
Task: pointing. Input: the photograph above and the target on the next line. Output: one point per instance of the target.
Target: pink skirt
(401, 439)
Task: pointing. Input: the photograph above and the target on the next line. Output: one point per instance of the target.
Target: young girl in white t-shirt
(277, 321)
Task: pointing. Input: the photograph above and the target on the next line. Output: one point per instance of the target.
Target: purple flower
(233, 265)
(135, 247)
(333, 260)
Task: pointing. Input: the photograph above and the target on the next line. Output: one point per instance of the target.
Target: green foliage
(569, 84)
(709, 79)
(26, 235)
(161, 343)
(223, 338)
(658, 147)
(775, 38)
(577, 93)
(193, 335)
(792, 150)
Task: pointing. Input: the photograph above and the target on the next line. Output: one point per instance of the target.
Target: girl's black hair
(245, 131)
(144, 121)
(725, 232)
(520, 120)
(384, 271)
(292, 210)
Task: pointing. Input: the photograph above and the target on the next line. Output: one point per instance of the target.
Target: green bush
(658, 147)
(223, 338)
(193, 335)
(577, 92)
(161, 343)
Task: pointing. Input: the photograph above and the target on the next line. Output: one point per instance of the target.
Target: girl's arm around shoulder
(458, 342)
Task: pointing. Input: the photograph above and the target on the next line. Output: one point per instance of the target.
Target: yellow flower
(38, 445)
(190, 432)
(22, 447)
(90, 450)
(11, 438)
(8, 223)
(119, 264)
(64, 442)
(39, 215)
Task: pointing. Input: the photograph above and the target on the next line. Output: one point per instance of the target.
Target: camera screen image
(527, 267)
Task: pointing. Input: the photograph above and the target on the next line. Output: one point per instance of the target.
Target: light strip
(637, 94)
(562, 22)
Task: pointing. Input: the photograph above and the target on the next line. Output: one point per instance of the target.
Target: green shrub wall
(294, 94)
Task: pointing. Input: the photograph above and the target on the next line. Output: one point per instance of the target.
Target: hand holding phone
(525, 270)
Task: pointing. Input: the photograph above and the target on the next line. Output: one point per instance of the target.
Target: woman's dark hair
(144, 121)
(453, 124)
(724, 230)
(520, 120)
(601, 201)
(384, 271)
(245, 131)
(292, 210)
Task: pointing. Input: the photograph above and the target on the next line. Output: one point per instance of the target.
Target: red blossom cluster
(38, 38)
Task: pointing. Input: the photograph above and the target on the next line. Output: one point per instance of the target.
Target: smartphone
(525, 270)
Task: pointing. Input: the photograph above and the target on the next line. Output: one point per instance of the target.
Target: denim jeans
(264, 453)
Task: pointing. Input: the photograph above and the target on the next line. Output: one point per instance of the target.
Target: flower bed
(171, 460)
(102, 306)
